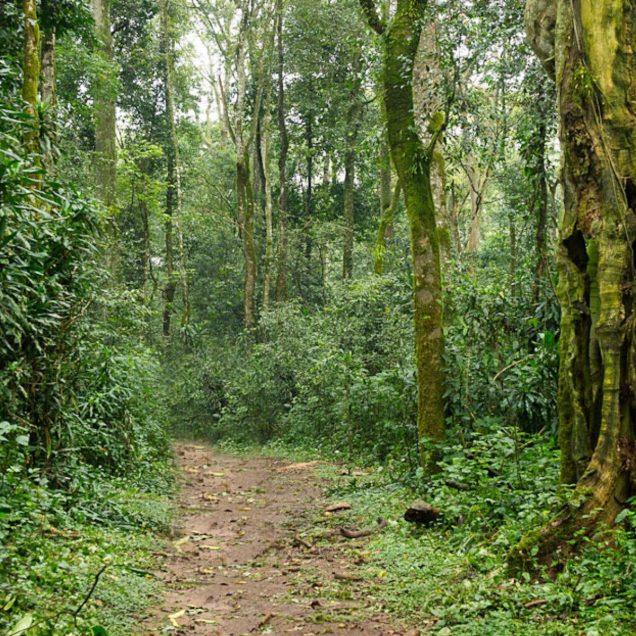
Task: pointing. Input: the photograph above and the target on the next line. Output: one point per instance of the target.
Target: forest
(316, 317)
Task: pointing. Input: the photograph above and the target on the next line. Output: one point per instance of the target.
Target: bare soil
(239, 563)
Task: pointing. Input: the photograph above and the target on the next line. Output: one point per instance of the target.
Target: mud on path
(238, 563)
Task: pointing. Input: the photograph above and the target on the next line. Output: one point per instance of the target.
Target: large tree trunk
(595, 72)
(31, 70)
(412, 161)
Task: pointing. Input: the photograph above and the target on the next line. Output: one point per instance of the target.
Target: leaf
(173, 617)
(181, 542)
(621, 516)
(98, 630)
(22, 625)
(22, 440)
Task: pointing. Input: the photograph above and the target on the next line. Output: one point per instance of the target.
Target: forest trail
(237, 564)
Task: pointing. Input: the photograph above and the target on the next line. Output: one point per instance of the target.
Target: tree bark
(385, 228)
(594, 73)
(412, 161)
(542, 208)
(31, 71)
(48, 91)
(269, 219)
(354, 114)
(105, 110)
(282, 250)
(170, 150)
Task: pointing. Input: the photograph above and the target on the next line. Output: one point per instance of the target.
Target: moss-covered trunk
(283, 199)
(31, 70)
(385, 227)
(412, 161)
(595, 69)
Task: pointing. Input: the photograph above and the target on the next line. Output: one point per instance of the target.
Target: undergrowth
(56, 544)
(452, 577)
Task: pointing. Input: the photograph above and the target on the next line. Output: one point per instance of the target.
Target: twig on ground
(357, 534)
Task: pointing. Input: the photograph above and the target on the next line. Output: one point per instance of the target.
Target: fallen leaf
(339, 505)
(180, 542)
(173, 617)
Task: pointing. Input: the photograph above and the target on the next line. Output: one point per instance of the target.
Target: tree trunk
(542, 207)
(48, 92)
(594, 73)
(281, 256)
(269, 221)
(412, 161)
(309, 192)
(171, 154)
(31, 71)
(348, 217)
(105, 110)
(385, 228)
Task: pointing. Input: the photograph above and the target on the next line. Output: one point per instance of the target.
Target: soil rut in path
(237, 565)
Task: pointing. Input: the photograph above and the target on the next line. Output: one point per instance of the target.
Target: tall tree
(105, 97)
(353, 123)
(283, 198)
(412, 161)
(172, 221)
(587, 46)
(31, 70)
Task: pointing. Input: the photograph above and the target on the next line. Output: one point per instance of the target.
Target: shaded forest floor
(255, 552)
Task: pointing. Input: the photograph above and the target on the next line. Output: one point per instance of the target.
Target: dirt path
(237, 565)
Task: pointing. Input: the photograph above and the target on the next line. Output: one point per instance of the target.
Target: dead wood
(357, 534)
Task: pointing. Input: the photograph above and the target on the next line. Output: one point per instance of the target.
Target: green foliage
(501, 353)
(78, 404)
(451, 578)
(340, 378)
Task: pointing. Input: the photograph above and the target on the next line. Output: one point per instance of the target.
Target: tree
(283, 197)
(412, 161)
(31, 70)
(172, 219)
(104, 94)
(587, 47)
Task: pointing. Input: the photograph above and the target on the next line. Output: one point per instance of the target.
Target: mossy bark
(283, 199)
(31, 71)
(412, 161)
(595, 70)
(385, 227)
